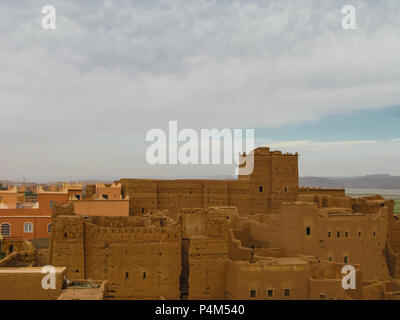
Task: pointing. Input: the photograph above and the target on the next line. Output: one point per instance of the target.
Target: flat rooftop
(29, 269)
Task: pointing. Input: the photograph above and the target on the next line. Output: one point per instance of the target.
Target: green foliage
(397, 206)
(29, 193)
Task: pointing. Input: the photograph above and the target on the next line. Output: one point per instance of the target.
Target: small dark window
(105, 196)
(10, 248)
(78, 196)
(286, 292)
(346, 234)
(308, 231)
(285, 189)
(5, 229)
(270, 293)
(330, 258)
(359, 234)
(346, 259)
(142, 210)
(374, 234)
(253, 293)
(144, 275)
(329, 234)
(126, 275)
(260, 188)
(338, 234)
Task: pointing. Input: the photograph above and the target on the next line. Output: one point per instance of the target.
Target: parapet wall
(26, 284)
(340, 192)
(138, 262)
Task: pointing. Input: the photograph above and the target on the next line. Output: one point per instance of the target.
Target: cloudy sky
(77, 102)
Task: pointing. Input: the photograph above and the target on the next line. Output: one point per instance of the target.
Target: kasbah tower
(273, 180)
(260, 236)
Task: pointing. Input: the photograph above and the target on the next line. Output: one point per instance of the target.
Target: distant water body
(386, 193)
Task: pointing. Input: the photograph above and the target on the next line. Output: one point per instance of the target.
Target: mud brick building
(257, 237)
(274, 179)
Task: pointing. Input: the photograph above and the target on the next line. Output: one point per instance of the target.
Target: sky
(76, 102)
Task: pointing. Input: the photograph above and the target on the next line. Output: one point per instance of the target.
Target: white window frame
(25, 224)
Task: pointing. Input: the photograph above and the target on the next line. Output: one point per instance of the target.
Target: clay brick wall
(207, 250)
(142, 195)
(274, 179)
(138, 262)
(67, 245)
(9, 198)
(19, 259)
(243, 277)
(112, 192)
(304, 278)
(89, 191)
(26, 284)
(101, 207)
(336, 235)
(207, 259)
(329, 191)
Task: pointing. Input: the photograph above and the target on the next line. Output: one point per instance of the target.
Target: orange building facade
(33, 220)
(30, 221)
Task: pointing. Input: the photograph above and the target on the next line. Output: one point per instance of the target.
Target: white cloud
(114, 69)
(342, 158)
(315, 145)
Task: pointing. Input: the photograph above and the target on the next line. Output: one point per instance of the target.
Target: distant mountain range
(376, 181)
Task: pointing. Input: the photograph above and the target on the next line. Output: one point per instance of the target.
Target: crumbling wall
(138, 262)
(67, 245)
(236, 250)
(207, 251)
(85, 290)
(207, 266)
(244, 280)
(19, 259)
(90, 191)
(337, 235)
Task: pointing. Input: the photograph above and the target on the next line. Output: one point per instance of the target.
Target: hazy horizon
(111, 179)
